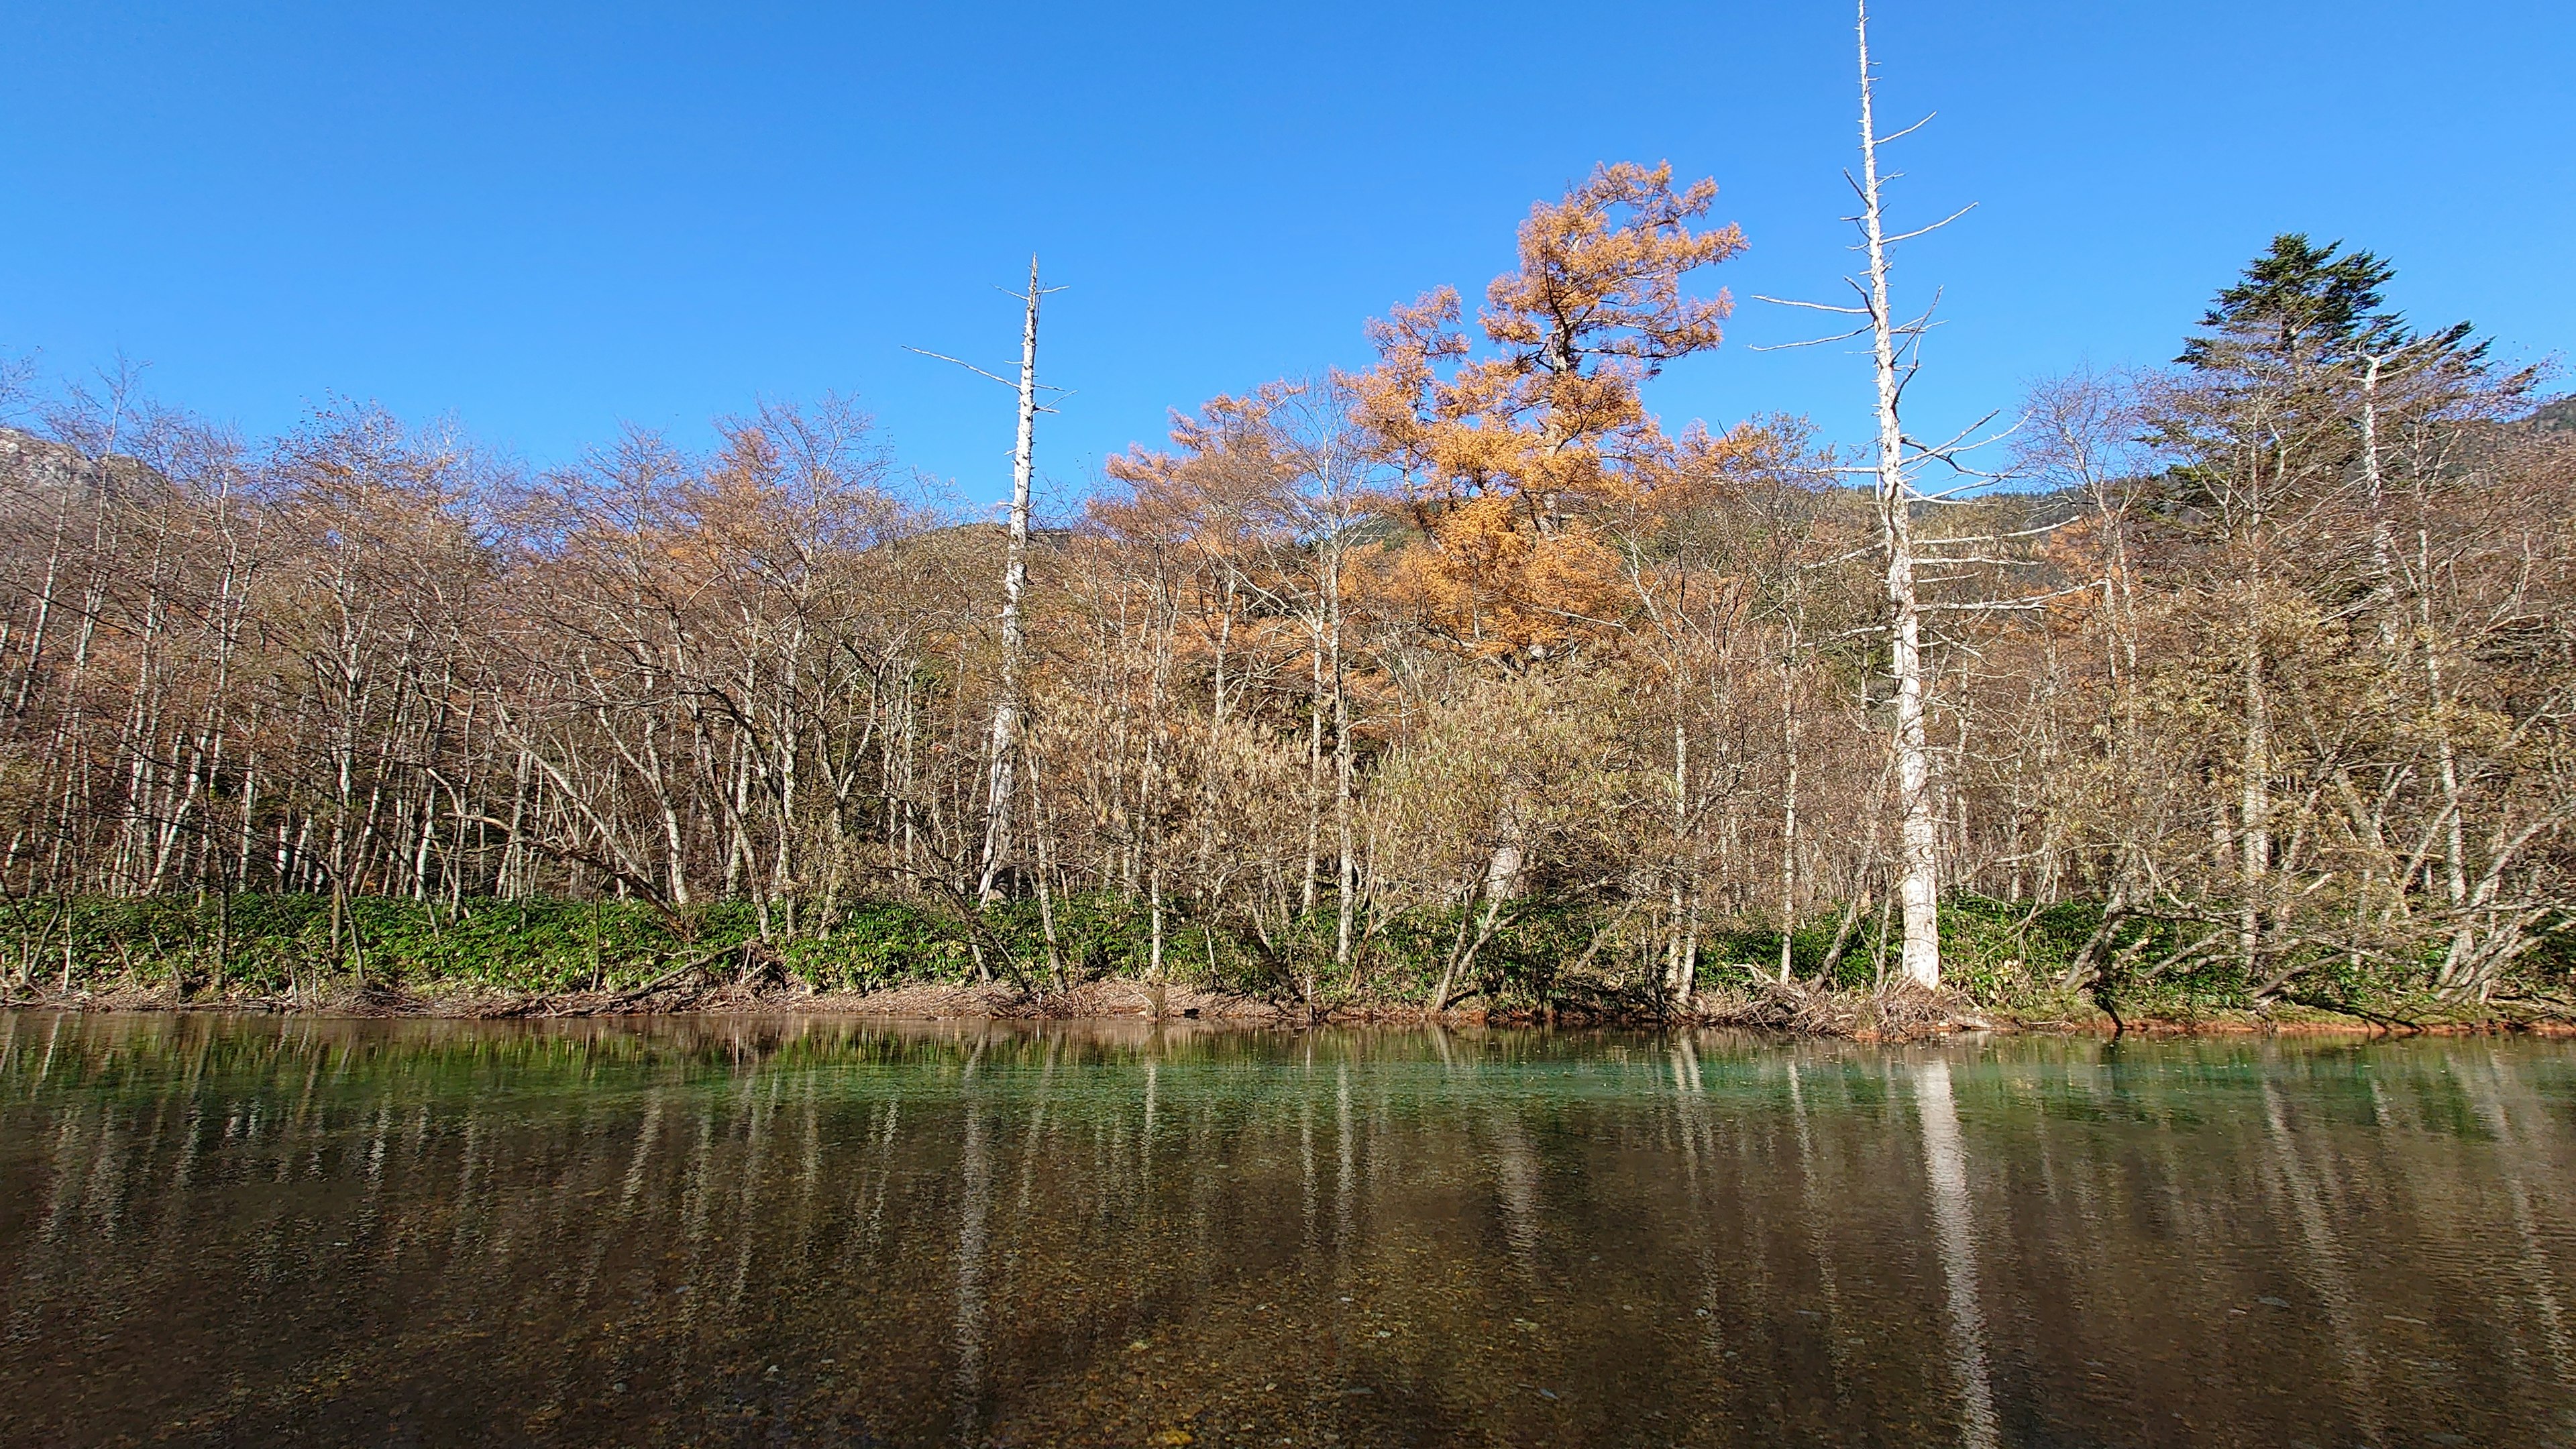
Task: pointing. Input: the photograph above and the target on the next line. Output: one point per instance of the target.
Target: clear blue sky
(549, 219)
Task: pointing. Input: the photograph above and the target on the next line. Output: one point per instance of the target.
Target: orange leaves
(1702, 469)
(1516, 454)
(1511, 457)
(1594, 309)
(1225, 490)
(1497, 588)
(1600, 274)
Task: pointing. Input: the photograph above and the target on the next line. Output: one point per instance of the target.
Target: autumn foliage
(1457, 678)
(1509, 457)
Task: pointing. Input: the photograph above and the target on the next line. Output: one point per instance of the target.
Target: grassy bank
(2012, 960)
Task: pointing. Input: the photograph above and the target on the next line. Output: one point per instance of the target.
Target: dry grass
(1898, 1011)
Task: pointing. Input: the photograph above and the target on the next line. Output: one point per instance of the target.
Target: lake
(735, 1231)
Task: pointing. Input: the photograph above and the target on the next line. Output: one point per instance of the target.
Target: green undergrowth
(277, 943)
(1579, 955)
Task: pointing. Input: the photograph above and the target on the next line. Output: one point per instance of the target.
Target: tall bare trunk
(1015, 569)
(1345, 873)
(2254, 802)
(1918, 877)
(1788, 797)
(2383, 560)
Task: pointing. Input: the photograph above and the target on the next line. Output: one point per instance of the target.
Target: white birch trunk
(1918, 879)
(1789, 797)
(1015, 567)
(1345, 874)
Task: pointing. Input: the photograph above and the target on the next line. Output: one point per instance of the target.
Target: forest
(1456, 682)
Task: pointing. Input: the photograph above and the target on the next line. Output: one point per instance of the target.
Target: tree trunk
(1918, 879)
(1788, 800)
(1015, 566)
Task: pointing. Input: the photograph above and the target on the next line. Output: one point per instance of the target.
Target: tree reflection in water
(1946, 1166)
(217, 1230)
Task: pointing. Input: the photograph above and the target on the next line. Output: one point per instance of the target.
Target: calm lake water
(230, 1230)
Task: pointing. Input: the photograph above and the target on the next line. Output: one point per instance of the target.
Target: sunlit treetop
(1549, 412)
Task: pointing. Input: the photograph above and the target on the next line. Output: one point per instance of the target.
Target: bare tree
(1895, 347)
(1002, 749)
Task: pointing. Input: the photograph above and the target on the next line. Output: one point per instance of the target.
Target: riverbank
(2007, 966)
(1885, 1015)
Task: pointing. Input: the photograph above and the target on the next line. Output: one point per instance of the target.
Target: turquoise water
(252, 1230)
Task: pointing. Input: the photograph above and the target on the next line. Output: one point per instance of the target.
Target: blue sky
(547, 220)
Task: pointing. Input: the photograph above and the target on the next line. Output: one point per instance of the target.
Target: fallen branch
(697, 963)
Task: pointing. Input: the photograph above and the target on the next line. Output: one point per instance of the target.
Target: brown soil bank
(1898, 1013)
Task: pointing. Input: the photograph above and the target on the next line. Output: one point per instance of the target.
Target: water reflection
(228, 1230)
(1946, 1166)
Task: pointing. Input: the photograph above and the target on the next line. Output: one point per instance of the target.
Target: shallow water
(218, 1230)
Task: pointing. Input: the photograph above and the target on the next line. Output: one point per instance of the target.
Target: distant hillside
(39, 464)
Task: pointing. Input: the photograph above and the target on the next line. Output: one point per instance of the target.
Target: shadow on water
(736, 1231)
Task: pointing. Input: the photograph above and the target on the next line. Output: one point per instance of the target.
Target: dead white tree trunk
(1005, 743)
(1918, 878)
(1789, 788)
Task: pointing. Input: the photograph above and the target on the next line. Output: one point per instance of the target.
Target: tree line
(2262, 658)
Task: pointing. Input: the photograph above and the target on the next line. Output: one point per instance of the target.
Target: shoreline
(1881, 1017)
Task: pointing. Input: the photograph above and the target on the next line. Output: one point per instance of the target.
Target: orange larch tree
(1510, 451)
